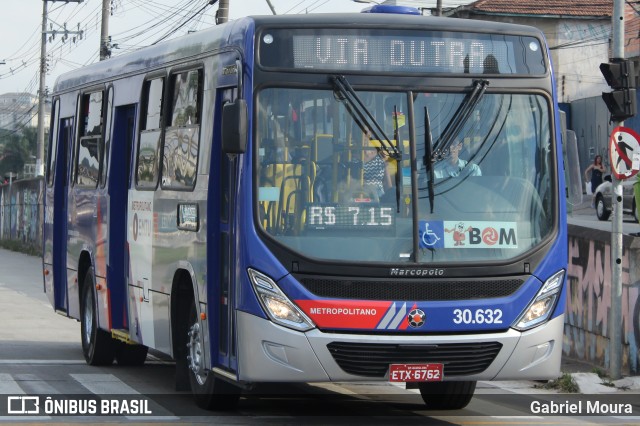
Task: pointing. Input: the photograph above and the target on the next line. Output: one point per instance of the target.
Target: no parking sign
(624, 152)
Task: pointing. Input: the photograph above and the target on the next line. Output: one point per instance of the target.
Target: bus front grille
(410, 289)
(373, 359)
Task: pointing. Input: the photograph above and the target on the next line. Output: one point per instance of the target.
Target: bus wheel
(210, 392)
(97, 345)
(446, 395)
(132, 355)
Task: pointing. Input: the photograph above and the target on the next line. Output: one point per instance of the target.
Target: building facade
(578, 33)
(18, 110)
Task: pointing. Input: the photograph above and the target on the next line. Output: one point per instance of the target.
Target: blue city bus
(318, 198)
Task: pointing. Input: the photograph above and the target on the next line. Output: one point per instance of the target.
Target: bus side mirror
(234, 127)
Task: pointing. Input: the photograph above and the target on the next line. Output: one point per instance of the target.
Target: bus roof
(233, 36)
(388, 20)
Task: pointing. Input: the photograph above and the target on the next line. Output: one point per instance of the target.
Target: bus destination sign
(406, 52)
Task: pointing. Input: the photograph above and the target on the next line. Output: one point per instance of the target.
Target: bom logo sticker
(480, 234)
(490, 236)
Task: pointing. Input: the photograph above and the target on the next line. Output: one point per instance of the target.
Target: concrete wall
(586, 335)
(578, 47)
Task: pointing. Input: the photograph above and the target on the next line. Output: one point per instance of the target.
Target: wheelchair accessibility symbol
(431, 234)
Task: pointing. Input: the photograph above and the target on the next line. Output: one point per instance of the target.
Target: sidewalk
(589, 382)
(584, 207)
(576, 378)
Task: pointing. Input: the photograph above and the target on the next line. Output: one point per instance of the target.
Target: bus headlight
(543, 304)
(277, 305)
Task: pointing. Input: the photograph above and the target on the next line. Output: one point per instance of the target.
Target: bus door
(223, 192)
(118, 181)
(58, 210)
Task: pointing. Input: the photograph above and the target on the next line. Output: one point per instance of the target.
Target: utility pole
(273, 9)
(439, 8)
(105, 48)
(615, 319)
(222, 15)
(42, 95)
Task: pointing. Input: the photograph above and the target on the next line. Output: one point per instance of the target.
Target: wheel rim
(195, 354)
(600, 208)
(88, 317)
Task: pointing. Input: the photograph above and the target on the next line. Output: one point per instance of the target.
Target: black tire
(602, 212)
(209, 392)
(131, 355)
(97, 345)
(446, 395)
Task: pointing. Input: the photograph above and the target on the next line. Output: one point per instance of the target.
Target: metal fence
(22, 212)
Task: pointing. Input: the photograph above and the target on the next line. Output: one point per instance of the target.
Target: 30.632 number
(477, 316)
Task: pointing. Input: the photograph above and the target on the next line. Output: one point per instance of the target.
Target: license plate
(415, 372)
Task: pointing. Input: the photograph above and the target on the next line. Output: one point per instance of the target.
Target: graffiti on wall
(21, 210)
(589, 303)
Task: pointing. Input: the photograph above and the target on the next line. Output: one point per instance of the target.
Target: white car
(603, 198)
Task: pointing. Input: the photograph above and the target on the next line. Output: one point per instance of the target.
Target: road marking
(104, 384)
(42, 361)
(21, 419)
(108, 384)
(34, 385)
(9, 386)
(151, 360)
(517, 417)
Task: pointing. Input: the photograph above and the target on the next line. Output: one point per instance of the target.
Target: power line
(173, 31)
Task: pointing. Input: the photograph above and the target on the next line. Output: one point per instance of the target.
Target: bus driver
(453, 165)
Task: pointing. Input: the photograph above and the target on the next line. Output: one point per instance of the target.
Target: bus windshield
(329, 189)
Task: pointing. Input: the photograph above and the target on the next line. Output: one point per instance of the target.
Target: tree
(17, 149)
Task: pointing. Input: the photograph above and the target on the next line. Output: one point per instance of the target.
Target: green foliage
(16, 149)
(564, 383)
(19, 246)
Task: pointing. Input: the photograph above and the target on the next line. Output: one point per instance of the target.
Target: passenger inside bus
(371, 172)
(375, 169)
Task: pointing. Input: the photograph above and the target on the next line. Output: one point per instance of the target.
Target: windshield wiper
(396, 137)
(460, 117)
(428, 156)
(364, 117)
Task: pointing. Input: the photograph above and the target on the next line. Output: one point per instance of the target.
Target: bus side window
(53, 142)
(91, 146)
(182, 138)
(107, 137)
(148, 158)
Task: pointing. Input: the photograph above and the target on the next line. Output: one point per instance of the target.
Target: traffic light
(620, 75)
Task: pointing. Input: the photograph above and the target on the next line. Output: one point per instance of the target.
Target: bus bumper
(268, 352)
